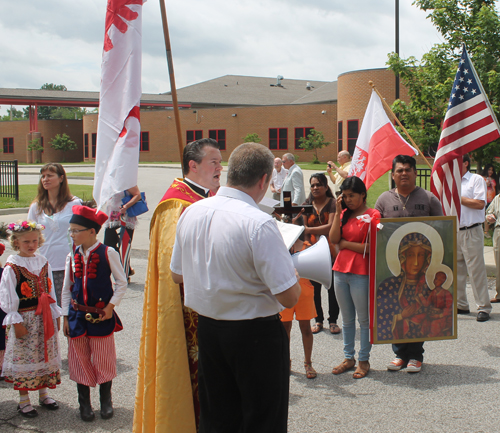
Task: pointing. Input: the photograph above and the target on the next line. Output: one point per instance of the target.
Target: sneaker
(396, 364)
(413, 366)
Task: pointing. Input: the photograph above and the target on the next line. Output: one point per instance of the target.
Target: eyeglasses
(75, 231)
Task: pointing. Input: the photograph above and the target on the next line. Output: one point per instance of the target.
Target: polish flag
(377, 145)
(119, 128)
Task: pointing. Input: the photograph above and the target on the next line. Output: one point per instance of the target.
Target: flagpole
(173, 89)
(399, 123)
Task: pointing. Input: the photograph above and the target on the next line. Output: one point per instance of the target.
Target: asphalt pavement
(456, 391)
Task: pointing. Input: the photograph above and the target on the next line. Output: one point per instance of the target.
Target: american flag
(469, 124)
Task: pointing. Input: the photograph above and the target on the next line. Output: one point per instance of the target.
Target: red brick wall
(48, 129)
(163, 142)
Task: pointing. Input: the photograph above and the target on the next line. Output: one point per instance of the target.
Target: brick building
(227, 108)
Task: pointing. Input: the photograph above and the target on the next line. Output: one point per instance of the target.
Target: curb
(14, 210)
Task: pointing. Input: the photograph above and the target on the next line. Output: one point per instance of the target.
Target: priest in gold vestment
(167, 384)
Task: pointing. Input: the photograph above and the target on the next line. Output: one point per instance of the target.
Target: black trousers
(243, 375)
(333, 306)
(407, 351)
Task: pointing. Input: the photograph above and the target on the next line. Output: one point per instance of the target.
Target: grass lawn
(28, 192)
(80, 173)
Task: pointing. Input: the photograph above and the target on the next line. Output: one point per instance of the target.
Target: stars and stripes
(469, 124)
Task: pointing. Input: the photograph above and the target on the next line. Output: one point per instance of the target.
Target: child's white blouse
(9, 301)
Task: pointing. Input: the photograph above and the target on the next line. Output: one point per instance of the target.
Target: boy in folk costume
(88, 300)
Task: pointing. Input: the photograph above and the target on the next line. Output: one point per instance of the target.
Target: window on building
(278, 138)
(339, 136)
(352, 135)
(86, 146)
(144, 141)
(94, 144)
(219, 135)
(299, 133)
(193, 135)
(8, 145)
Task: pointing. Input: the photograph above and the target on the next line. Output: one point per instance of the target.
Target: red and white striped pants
(92, 361)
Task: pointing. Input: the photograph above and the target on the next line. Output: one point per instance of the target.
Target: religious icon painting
(413, 290)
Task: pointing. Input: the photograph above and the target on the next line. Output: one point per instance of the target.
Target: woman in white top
(52, 207)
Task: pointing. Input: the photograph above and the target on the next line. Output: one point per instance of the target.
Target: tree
(63, 143)
(429, 81)
(16, 115)
(252, 138)
(315, 140)
(45, 112)
(35, 146)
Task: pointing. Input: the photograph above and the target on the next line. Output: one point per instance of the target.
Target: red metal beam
(33, 111)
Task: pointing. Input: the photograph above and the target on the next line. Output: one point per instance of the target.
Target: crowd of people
(214, 352)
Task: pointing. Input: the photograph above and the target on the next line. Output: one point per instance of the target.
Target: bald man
(277, 179)
(344, 159)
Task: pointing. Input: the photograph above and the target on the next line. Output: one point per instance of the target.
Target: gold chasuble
(167, 379)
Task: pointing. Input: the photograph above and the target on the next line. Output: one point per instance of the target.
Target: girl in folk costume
(2, 316)
(32, 360)
(88, 302)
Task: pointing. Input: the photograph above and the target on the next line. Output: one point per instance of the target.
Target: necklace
(401, 201)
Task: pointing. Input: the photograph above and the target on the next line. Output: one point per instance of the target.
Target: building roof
(237, 90)
(229, 90)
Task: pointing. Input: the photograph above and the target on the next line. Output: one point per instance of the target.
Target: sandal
(334, 328)
(27, 410)
(362, 370)
(346, 364)
(49, 403)
(317, 327)
(310, 371)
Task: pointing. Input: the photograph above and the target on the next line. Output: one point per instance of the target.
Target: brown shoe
(362, 370)
(317, 327)
(346, 364)
(494, 300)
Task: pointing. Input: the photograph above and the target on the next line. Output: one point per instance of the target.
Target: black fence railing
(9, 179)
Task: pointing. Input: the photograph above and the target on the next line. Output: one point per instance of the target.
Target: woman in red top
(351, 272)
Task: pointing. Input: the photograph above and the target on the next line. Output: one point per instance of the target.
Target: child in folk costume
(2, 316)
(88, 300)
(32, 360)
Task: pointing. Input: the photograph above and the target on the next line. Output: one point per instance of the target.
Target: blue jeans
(352, 296)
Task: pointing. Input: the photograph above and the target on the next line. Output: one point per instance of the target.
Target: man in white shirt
(294, 181)
(277, 179)
(344, 159)
(470, 245)
(238, 275)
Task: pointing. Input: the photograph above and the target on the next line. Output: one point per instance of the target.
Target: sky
(60, 41)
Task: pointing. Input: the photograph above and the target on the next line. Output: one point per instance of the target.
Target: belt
(88, 310)
(470, 227)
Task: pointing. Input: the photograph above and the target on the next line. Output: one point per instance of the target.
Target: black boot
(86, 412)
(106, 404)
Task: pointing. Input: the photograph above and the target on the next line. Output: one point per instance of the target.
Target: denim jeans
(352, 296)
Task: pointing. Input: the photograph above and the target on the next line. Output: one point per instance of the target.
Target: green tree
(63, 143)
(429, 81)
(16, 115)
(315, 140)
(36, 147)
(252, 138)
(45, 112)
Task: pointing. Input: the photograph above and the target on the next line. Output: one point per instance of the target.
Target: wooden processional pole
(386, 105)
(173, 89)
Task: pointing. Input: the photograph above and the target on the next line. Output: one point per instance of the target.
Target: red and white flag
(469, 124)
(119, 128)
(378, 143)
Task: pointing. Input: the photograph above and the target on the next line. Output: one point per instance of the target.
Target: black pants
(112, 239)
(407, 351)
(333, 306)
(243, 376)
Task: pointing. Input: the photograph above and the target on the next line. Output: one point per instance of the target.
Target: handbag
(138, 208)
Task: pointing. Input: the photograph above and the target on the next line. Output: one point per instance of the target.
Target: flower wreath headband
(24, 226)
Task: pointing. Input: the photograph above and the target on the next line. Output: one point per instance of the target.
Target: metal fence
(9, 179)
(424, 178)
